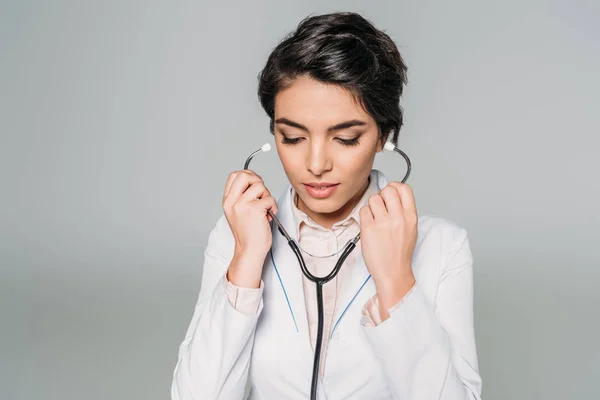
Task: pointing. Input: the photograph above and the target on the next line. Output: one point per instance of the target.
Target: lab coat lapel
(360, 281)
(287, 265)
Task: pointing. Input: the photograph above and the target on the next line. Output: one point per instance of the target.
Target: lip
(320, 190)
(316, 184)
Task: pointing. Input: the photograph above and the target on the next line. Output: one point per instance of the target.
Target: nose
(318, 159)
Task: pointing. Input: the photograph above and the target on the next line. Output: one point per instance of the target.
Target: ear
(380, 144)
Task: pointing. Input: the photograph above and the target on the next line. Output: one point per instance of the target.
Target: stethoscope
(320, 281)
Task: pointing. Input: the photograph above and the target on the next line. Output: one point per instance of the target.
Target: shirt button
(329, 246)
(327, 299)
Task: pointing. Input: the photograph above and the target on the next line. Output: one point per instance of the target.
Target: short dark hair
(340, 48)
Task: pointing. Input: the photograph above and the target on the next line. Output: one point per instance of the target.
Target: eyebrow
(336, 127)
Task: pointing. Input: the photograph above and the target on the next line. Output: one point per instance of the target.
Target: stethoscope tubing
(320, 281)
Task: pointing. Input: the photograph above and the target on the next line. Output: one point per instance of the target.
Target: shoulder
(442, 236)
(443, 228)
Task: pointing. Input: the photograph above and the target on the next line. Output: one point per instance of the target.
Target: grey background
(120, 121)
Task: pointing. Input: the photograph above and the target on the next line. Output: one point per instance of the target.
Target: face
(327, 144)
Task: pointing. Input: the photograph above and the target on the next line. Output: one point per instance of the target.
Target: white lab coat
(425, 350)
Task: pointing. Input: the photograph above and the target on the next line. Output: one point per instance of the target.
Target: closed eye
(287, 140)
(349, 142)
(344, 142)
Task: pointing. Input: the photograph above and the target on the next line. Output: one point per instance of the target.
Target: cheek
(290, 160)
(355, 162)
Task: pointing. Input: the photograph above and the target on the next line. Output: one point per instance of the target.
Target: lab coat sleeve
(214, 357)
(245, 300)
(370, 311)
(428, 352)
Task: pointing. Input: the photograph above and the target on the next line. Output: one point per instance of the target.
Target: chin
(325, 206)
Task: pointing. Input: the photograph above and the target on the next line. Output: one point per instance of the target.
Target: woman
(398, 318)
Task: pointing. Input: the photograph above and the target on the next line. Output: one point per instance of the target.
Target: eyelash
(344, 142)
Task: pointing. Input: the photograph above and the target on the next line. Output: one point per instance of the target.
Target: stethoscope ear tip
(389, 146)
(266, 147)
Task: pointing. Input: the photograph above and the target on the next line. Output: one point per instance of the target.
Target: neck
(326, 220)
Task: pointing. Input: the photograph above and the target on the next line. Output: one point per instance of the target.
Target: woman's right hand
(246, 201)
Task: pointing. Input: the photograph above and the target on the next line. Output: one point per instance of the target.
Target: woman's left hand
(388, 235)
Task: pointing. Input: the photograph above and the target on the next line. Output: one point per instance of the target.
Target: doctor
(398, 318)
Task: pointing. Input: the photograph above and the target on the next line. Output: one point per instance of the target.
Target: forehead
(309, 101)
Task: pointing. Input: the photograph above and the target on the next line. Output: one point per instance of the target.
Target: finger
(366, 216)
(407, 196)
(256, 191)
(230, 179)
(391, 197)
(377, 206)
(274, 208)
(240, 183)
(266, 204)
